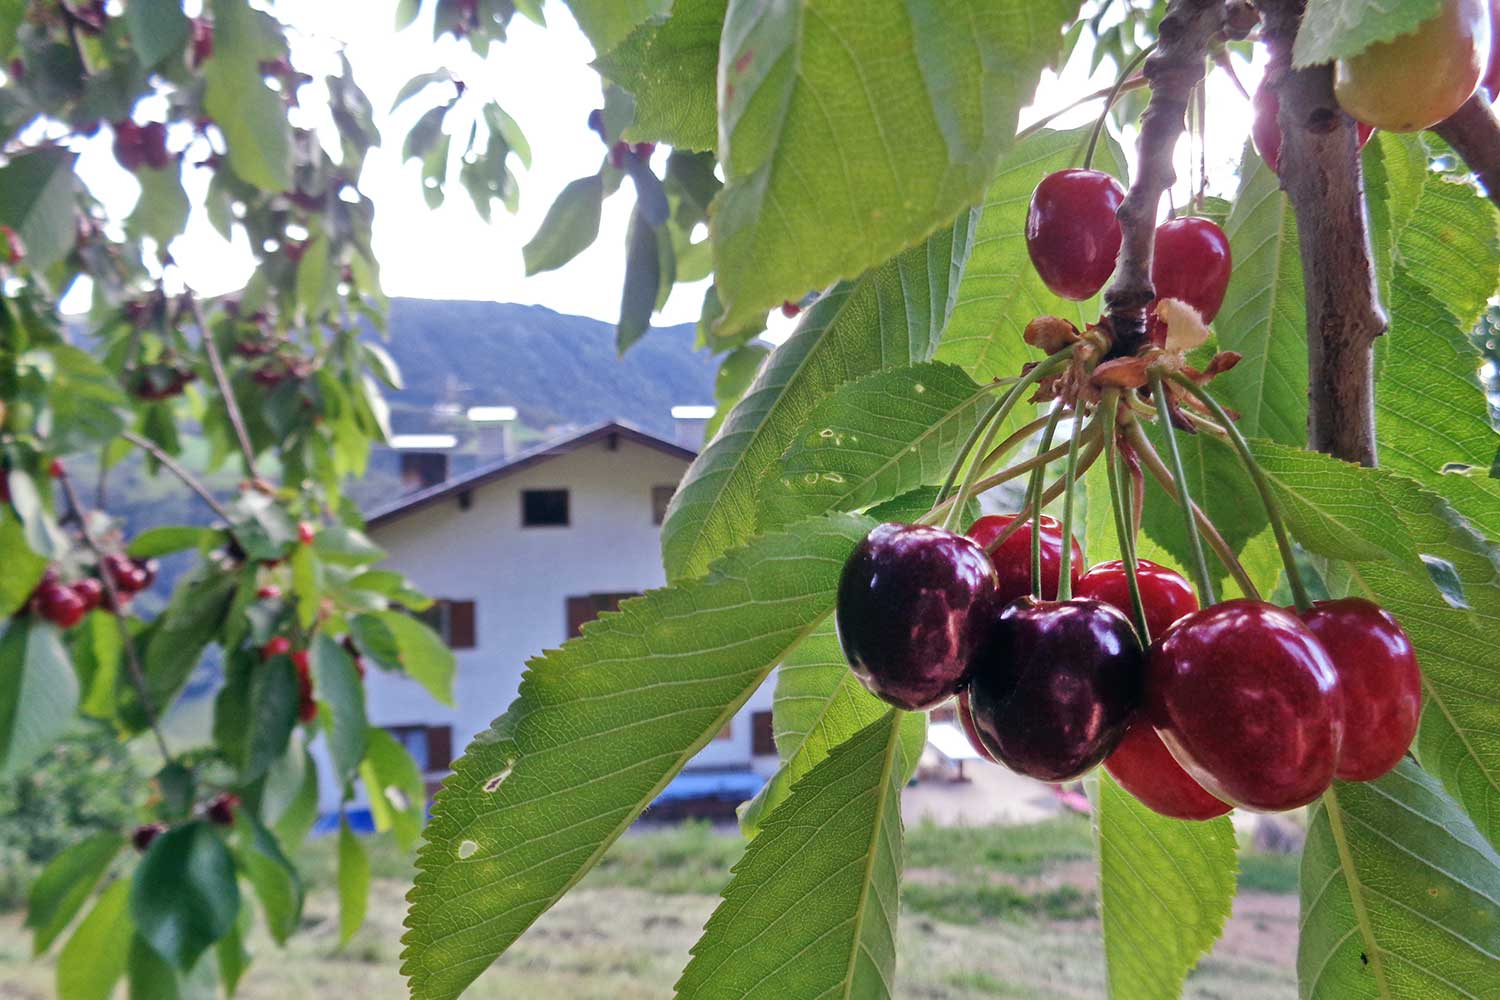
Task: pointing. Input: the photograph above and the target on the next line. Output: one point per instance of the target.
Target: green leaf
(811, 910)
(643, 274)
(38, 692)
(1396, 172)
(36, 200)
(150, 977)
(62, 888)
(88, 407)
(184, 896)
(1263, 317)
(294, 818)
(1165, 888)
(1400, 895)
(337, 685)
(394, 786)
(604, 723)
(174, 538)
(21, 569)
(94, 958)
(889, 317)
(233, 956)
(819, 705)
(400, 642)
(275, 880)
(873, 439)
(354, 883)
(1451, 246)
(340, 543)
(315, 278)
(831, 171)
(607, 22)
(161, 212)
(158, 29)
(670, 67)
(1337, 29)
(256, 711)
(173, 645)
(307, 584)
(570, 226)
(1001, 291)
(251, 116)
(12, 13)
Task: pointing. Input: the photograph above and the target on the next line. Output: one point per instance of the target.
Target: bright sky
(542, 78)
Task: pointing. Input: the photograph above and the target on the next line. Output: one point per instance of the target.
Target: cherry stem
(991, 422)
(1108, 411)
(1070, 476)
(1023, 516)
(1179, 474)
(1033, 495)
(1003, 476)
(1262, 485)
(1004, 447)
(116, 604)
(1148, 456)
(1109, 102)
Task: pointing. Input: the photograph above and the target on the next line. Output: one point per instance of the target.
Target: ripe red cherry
(790, 308)
(1265, 130)
(307, 706)
(1013, 558)
(1145, 768)
(270, 592)
(1056, 686)
(914, 603)
(1191, 263)
(221, 810)
(130, 576)
(90, 591)
(1072, 234)
(306, 532)
(1165, 594)
(1245, 697)
(279, 645)
(143, 835)
(1382, 683)
(59, 604)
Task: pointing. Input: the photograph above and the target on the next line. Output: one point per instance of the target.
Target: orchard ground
(1003, 906)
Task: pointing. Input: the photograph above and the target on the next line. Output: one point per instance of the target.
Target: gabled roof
(485, 474)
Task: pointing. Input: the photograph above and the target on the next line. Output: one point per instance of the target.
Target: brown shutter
(461, 625)
(439, 747)
(762, 734)
(579, 610)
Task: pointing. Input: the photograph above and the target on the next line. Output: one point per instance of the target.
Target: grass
(987, 912)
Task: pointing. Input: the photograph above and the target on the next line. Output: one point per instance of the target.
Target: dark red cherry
(965, 713)
(1013, 558)
(1382, 683)
(1266, 130)
(1056, 686)
(1191, 263)
(1165, 594)
(307, 705)
(90, 591)
(59, 604)
(914, 603)
(1145, 768)
(1245, 697)
(1072, 234)
(142, 836)
(221, 809)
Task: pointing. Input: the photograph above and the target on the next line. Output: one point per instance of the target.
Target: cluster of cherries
(1240, 704)
(65, 604)
(219, 811)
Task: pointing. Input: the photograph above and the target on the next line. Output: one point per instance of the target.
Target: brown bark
(1474, 133)
(1320, 172)
(1172, 71)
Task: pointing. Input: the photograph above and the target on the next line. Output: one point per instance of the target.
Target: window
(430, 746)
(544, 508)
(660, 497)
(453, 621)
(762, 735)
(584, 609)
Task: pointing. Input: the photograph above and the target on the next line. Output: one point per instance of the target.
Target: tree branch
(1320, 172)
(1474, 133)
(1173, 70)
(177, 469)
(231, 405)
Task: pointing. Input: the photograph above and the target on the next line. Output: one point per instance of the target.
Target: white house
(521, 552)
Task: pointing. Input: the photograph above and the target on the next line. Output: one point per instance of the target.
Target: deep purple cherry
(914, 603)
(1072, 234)
(1056, 686)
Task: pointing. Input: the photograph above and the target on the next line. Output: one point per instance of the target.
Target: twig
(231, 405)
(1320, 171)
(1173, 70)
(177, 469)
(1004, 476)
(1051, 493)
(1474, 133)
(132, 660)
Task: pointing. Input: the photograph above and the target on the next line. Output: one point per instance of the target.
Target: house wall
(520, 578)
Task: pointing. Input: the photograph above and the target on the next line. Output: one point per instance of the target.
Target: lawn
(987, 912)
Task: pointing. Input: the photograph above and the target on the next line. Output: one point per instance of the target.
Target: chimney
(690, 423)
(495, 426)
(424, 459)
